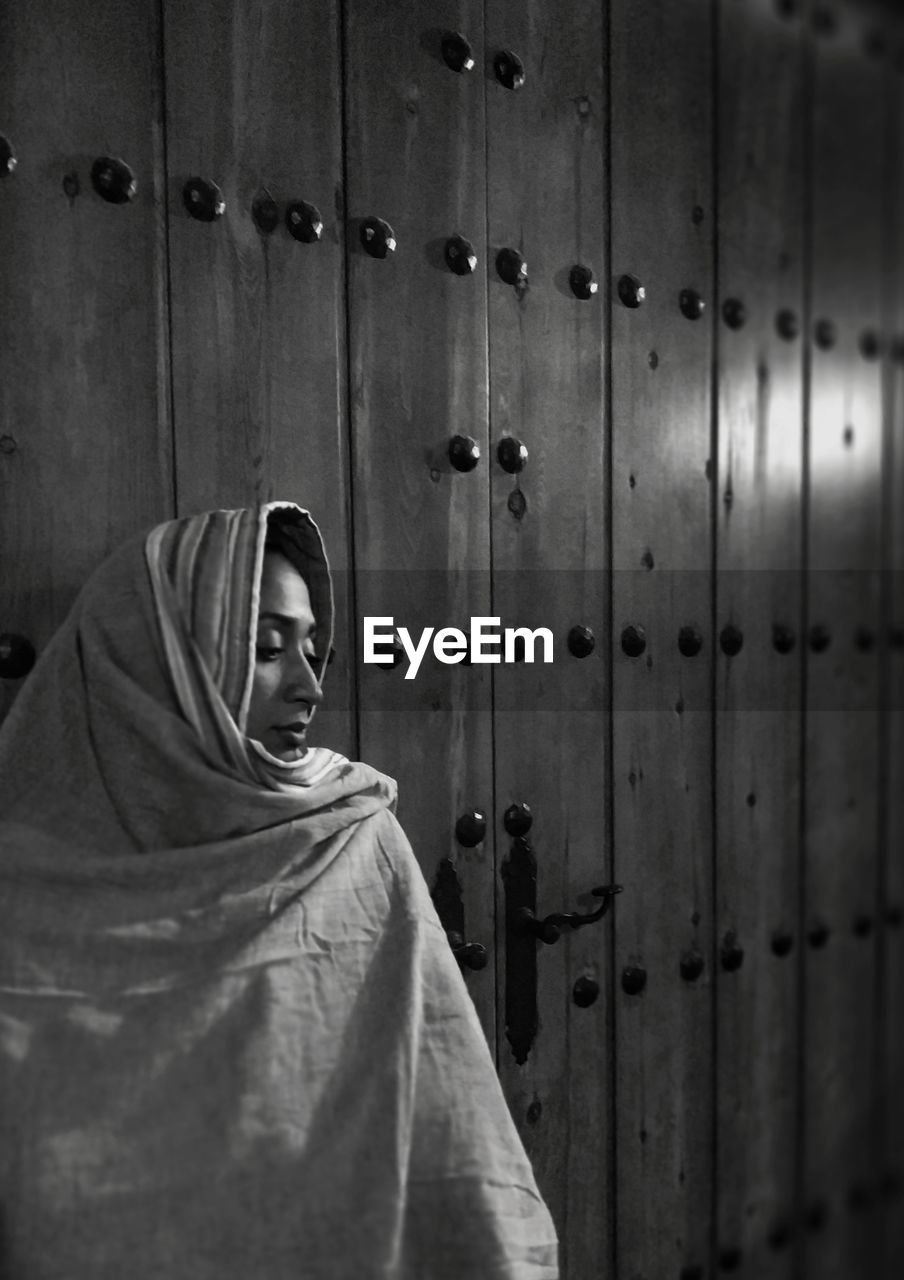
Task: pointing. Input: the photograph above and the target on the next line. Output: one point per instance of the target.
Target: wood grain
(758, 708)
(546, 199)
(85, 452)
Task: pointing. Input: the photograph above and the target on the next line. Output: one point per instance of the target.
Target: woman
(233, 1039)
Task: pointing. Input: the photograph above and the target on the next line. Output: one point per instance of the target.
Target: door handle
(549, 929)
(450, 909)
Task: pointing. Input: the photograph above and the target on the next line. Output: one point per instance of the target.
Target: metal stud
(732, 954)
(113, 180)
(398, 653)
(691, 965)
(517, 819)
(581, 642)
(631, 292)
(633, 980)
(585, 992)
(511, 267)
(265, 213)
(734, 313)
(460, 256)
(377, 237)
(819, 638)
(731, 640)
(464, 453)
(582, 283)
(203, 200)
(690, 642)
(782, 943)
(825, 335)
(17, 656)
(633, 641)
(8, 159)
(870, 345)
(783, 638)
(512, 455)
(457, 53)
(470, 828)
(818, 935)
(787, 324)
(509, 69)
(304, 222)
(691, 304)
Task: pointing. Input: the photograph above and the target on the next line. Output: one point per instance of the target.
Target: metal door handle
(549, 929)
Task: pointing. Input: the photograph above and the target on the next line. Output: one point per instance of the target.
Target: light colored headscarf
(233, 1039)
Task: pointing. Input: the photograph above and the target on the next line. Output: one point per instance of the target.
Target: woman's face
(285, 690)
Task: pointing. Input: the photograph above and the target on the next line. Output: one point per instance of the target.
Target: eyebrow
(286, 620)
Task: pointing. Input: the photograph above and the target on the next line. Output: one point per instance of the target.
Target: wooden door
(758, 687)
(844, 519)
(84, 406)
(418, 417)
(550, 544)
(253, 97)
(662, 473)
(891, 955)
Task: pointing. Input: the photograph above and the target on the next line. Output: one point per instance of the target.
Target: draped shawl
(234, 1042)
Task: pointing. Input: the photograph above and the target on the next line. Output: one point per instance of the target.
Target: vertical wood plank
(662, 234)
(546, 200)
(841, 837)
(758, 690)
(84, 430)
(892, 697)
(416, 159)
(259, 366)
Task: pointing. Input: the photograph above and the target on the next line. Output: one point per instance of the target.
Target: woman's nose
(302, 684)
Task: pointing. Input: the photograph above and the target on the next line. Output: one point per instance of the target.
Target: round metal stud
(509, 69)
(471, 828)
(825, 335)
(582, 283)
(864, 640)
(732, 954)
(633, 641)
(511, 267)
(633, 979)
(819, 638)
(460, 256)
(398, 654)
(818, 935)
(731, 640)
(787, 325)
(783, 638)
(203, 200)
(780, 1236)
(265, 213)
(631, 293)
(870, 344)
(512, 455)
(691, 304)
(691, 965)
(690, 642)
(113, 180)
(8, 159)
(734, 313)
(585, 992)
(17, 656)
(782, 943)
(517, 819)
(304, 222)
(464, 453)
(581, 642)
(729, 1259)
(377, 237)
(457, 52)
(862, 926)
